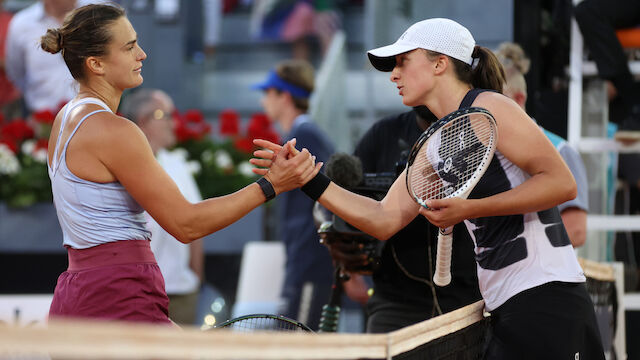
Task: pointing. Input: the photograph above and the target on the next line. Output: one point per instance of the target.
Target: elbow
(185, 230)
(378, 231)
(384, 233)
(185, 238)
(189, 234)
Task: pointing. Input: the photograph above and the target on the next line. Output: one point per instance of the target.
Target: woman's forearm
(540, 192)
(380, 219)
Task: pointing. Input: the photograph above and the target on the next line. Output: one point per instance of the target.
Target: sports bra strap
(70, 106)
(471, 96)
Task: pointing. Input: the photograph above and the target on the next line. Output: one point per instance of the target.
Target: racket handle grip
(442, 276)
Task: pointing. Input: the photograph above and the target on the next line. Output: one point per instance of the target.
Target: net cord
(115, 340)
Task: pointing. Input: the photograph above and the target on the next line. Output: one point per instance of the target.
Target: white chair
(261, 278)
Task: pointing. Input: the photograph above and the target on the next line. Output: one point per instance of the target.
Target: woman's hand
(286, 167)
(444, 213)
(264, 157)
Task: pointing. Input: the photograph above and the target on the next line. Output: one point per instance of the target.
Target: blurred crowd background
(206, 55)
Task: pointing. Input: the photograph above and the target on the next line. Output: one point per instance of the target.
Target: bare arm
(575, 221)
(522, 142)
(380, 219)
(127, 155)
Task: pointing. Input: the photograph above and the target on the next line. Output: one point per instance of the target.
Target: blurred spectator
(309, 269)
(294, 21)
(43, 78)
(182, 265)
(573, 212)
(598, 21)
(9, 95)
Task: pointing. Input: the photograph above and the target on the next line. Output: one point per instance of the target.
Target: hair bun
(52, 41)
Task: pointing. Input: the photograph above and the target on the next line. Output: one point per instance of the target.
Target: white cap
(440, 35)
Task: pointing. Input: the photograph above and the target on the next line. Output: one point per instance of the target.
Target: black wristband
(316, 186)
(267, 189)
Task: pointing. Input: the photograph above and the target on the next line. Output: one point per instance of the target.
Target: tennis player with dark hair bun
(528, 273)
(104, 175)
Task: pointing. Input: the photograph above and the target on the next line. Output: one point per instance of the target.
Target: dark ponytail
(488, 73)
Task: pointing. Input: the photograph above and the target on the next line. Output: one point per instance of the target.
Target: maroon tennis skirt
(118, 280)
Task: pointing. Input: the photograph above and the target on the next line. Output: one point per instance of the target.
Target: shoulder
(108, 128)
(493, 99)
(503, 109)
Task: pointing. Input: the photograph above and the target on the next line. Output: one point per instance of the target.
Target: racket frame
(464, 190)
(442, 275)
(280, 318)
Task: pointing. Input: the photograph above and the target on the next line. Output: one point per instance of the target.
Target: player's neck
(447, 98)
(109, 96)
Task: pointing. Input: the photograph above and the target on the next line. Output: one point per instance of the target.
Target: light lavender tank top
(92, 213)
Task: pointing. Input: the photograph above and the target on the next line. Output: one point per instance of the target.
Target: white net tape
(113, 340)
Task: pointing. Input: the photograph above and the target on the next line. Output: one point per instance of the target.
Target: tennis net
(459, 334)
(113, 340)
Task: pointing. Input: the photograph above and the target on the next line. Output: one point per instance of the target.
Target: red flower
(44, 117)
(271, 136)
(244, 145)
(194, 117)
(260, 128)
(42, 144)
(229, 122)
(11, 144)
(191, 125)
(17, 131)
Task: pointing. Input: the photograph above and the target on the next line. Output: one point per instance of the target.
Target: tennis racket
(263, 322)
(447, 161)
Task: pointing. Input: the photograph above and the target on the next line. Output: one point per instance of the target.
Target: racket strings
(263, 323)
(447, 162)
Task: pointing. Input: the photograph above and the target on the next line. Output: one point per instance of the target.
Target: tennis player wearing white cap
(528, 273)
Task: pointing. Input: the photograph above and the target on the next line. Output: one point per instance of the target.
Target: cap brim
(260, 86)
(384, 58)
